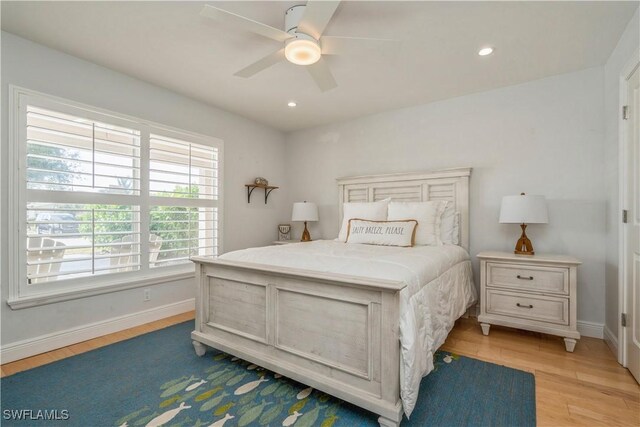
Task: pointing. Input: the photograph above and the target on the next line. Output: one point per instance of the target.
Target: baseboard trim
(31, 347)
(591, 329)
(611, 340)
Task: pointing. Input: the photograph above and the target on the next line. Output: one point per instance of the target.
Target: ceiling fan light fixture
(301, 51)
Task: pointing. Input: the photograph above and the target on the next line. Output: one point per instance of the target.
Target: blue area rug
(156, 379)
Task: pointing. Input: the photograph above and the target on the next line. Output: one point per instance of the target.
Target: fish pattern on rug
(161, 382)
(234, 392)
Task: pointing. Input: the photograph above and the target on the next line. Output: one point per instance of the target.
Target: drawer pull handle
(524, 278)
(524, 306)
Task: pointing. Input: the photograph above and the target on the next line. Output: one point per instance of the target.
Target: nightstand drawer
(533, 278)
(525, 306)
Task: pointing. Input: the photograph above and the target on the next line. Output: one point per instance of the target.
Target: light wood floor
(586, 388)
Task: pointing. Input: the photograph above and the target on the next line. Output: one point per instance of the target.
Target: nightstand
(535, 293)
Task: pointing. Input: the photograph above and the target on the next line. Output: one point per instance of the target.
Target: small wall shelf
(267, 190)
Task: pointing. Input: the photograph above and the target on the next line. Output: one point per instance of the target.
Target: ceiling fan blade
(244, 23)
(261, 64)
(332, 45)
(321, 74)
(316, 17)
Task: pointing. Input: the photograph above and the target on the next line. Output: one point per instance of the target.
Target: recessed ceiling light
(485, 51)
(291, 104)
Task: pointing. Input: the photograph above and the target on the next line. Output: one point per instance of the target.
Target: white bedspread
(439, 290)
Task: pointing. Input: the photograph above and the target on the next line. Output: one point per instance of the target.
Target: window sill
(35, 300)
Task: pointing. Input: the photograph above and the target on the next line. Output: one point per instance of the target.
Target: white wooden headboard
(448, 184)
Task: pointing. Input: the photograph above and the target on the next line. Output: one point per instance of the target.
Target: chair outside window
(44, 258)
(126, 259)
(155, 243)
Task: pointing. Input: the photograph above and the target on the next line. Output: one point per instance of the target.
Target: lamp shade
(304, 211)
(524, 209)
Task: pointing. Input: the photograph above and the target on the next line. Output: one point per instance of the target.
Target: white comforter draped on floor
(439, 290)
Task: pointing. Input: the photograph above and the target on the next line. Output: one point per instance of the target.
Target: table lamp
(305, 211)
(523, 210)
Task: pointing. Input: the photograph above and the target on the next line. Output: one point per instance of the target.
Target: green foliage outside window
(176, 226)
(176, 223)
(56, 165)
(108, 219)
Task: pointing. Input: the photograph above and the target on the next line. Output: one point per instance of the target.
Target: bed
(360, 322)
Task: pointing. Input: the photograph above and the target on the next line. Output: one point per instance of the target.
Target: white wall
(543, 137)
(251, 150)
(628, 45)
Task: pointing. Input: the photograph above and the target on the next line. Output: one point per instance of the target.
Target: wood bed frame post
(199, 348)
(391, 361)
(386, 422)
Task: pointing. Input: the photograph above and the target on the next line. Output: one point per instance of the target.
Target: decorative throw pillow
(385, 233)
(374, 211)
(428, 215)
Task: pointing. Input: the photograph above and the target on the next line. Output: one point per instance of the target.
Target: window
(181, 171)
(103, 196)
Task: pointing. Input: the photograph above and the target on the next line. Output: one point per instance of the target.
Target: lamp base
(524, 245)
(306, 236)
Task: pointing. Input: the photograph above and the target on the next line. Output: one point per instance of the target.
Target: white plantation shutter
(67, 241)
(75, 169)
(68, 153)
(183, 182)
(101, 195)
(182, 169)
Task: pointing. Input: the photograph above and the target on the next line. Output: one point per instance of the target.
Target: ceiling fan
(304, 42)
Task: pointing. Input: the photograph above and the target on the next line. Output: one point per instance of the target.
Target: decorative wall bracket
(267, 190)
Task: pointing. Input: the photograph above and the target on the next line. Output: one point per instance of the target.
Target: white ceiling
(170, 45)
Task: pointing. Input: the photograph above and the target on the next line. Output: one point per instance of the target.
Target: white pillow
(385, 233)
(449, 226)
(428, 215)
(374, 211)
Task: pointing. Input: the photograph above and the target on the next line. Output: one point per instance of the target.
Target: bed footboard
(336, 333)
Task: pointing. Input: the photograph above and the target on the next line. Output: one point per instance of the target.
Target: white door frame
(623, 173)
